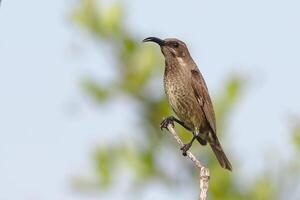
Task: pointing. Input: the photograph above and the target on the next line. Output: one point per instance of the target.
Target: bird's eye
(175, 44)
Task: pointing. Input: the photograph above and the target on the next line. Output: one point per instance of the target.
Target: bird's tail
(217, 149)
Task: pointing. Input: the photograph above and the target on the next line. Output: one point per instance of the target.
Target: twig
(204, 172)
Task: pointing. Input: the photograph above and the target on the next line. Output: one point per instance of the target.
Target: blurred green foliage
(296, 135)
(137, 65)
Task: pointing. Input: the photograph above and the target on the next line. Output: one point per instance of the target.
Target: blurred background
(82, 98)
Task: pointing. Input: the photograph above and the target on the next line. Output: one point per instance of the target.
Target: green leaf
(95, 90)
(103, 166)
(296, 136)
(263, 190)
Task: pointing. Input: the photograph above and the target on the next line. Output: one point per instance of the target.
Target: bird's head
(172, 48)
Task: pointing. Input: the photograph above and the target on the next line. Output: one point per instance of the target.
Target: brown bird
(188, 96)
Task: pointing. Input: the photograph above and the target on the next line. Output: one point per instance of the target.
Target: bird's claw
(185, 148)
(166, 122)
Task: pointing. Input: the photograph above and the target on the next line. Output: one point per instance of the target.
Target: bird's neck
(179, 63)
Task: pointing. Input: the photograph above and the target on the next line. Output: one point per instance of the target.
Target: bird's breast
(181, 97)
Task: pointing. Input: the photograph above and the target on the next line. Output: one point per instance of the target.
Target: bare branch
(204, 172)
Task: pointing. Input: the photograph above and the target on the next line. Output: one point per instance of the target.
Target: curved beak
(160, 42)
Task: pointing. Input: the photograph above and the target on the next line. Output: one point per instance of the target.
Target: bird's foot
(185, 148)
(166, 122)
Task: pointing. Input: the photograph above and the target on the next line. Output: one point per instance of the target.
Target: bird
(189, 98)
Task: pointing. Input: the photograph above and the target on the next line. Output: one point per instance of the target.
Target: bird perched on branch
(188, 96)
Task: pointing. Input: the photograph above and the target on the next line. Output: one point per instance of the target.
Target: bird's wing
(203, 98)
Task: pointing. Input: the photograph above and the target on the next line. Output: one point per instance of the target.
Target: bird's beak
(154, 39)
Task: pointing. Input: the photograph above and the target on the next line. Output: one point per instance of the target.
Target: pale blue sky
(48, 127)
